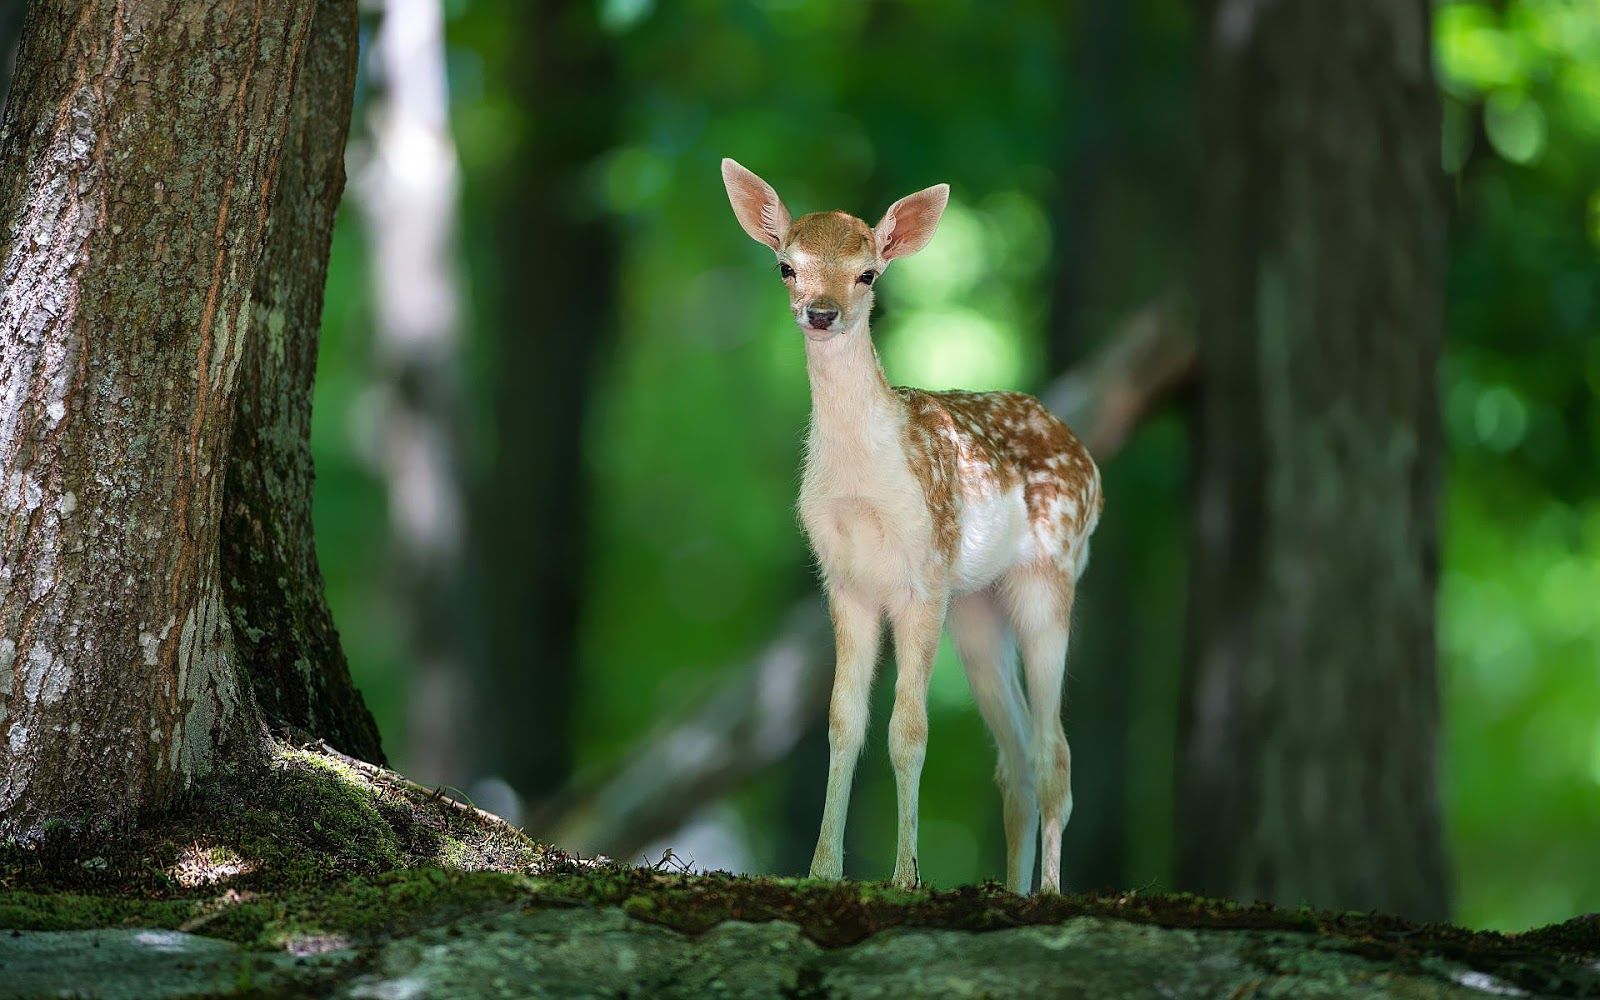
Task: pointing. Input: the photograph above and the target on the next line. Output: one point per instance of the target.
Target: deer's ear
(909, 223)
(756, 205)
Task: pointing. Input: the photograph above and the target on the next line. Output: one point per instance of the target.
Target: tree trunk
(140, 147)
(141, 187)
(555, 316)
(274, 588)
(1308, 768)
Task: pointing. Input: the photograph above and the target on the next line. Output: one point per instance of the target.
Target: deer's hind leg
(1040, 602)
(982, 637)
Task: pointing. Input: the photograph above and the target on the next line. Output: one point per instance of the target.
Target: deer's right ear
(756, 205)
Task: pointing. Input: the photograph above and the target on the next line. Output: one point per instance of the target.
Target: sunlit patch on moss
(307, 819)
(204, 863)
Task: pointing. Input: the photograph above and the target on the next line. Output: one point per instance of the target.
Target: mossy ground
(320, 852)
(314, 844)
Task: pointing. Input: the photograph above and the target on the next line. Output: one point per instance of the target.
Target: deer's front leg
(916, 640)
(856, 630)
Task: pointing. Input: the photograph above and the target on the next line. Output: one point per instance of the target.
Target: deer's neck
(854, 412)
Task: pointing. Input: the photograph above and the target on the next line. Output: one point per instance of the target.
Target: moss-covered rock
(328, 875)
(589, 952)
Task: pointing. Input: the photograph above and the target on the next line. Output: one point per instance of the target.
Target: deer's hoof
(831, 869)
(906, 878)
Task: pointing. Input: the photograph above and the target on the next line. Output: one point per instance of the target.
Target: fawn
(974, 507)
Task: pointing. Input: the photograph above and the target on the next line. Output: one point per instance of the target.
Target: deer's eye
(785, 270)
(868, 277)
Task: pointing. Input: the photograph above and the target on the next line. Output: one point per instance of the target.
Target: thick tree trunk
(1309, 767)
(275, 596)
(555, 317)
(140, 147)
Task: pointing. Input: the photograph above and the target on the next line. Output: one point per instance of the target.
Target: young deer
(976, 506)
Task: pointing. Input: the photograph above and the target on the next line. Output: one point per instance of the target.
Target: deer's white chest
(866, 515)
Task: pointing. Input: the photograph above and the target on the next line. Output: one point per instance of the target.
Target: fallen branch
(750, 723)
(1106, 398)
(760, 713)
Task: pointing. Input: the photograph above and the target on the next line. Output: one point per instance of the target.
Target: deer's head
(830, 261)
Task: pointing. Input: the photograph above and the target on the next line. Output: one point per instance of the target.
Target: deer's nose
(821, 316)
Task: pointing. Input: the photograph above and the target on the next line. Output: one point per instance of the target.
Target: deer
(926, 509)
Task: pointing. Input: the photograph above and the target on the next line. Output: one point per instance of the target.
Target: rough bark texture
(1308, 767)
(140, 146)
(273, 585)
(555, 317)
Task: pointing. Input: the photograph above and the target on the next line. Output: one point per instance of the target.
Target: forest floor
(331, 877)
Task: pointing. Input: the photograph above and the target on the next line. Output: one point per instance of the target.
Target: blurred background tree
(630, 400)
(1308, 765)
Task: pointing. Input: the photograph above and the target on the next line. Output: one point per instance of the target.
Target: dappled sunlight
(1535, 54)
(956, 349)
(1520, 643)
(1519, 637)
(170, 942)
(948, 268)
(952, 319)
(204, 863)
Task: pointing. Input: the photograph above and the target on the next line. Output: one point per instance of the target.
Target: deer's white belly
(994, 537)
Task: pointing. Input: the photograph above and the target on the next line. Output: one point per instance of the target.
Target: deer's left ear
(909, 224)
(756, 205)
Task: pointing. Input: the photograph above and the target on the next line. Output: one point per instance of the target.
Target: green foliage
(1520, 632)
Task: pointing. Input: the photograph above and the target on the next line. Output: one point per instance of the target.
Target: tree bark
(1308, 765)
(272, 580)
(554, 319)
(140, 146)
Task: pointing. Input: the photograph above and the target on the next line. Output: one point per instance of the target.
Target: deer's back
(974, 450)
